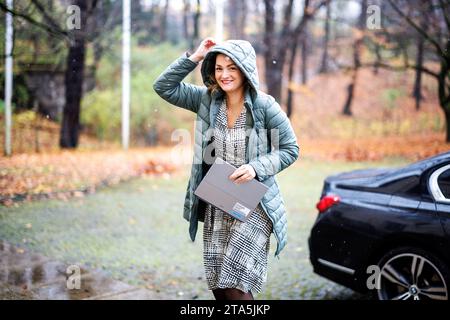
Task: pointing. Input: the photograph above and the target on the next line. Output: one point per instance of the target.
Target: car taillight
(326, 202)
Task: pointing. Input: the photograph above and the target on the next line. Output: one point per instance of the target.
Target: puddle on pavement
(27, 271)
(91, 285)
(42, 278)
(15, 256)
(28, 277)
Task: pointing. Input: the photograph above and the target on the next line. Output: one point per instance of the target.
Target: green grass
(135, 232)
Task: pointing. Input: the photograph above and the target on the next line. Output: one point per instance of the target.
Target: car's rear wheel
(409, 273)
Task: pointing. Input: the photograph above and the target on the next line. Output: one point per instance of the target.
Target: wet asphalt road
(134, 233)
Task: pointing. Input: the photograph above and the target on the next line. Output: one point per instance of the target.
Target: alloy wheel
(410, 276)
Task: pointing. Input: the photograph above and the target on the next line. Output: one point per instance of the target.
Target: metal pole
(8, 77)
(126, 28)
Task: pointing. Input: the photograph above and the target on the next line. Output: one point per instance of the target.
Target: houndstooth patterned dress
(235, 253)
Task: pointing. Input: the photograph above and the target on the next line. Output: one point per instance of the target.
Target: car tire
(410, 273)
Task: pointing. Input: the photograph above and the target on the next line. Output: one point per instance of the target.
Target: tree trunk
(275, 47)
(304, 64)
(237, 10)
(271, 75)
(378, 60)
(195, 35)
(186, 13)
(444, 90)
(290, 96)
(298, 35)
(243, 19)
(347, 110)
(350, 92)
(164, 25)
(74, 83)
(417, 91)
(442, 52)
(324, 64)
(447, 125)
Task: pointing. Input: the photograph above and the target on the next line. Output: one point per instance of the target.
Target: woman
(246, 123)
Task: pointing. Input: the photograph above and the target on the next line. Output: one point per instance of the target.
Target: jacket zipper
(262, 204)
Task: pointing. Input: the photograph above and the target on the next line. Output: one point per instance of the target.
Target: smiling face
(228, 75)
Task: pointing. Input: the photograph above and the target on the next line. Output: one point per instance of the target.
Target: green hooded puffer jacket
(267, 125)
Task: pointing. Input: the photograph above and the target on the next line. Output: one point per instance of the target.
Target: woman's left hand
(243, 174)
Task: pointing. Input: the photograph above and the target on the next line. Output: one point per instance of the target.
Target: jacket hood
(242, 54)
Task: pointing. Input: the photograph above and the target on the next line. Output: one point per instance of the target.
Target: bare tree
(196, 33)
(106, 16)
(163, 27)
(274, 47)
(293, 53)
(299, 35)
(405, 23)
(74, 77)
(237, 13)
(49, 27)
(186, 15)
(358, 35)
(420, 42)
(324, 62)
(95, 18)
(305, 40)
(440, 47)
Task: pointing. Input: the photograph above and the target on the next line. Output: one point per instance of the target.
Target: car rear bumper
(337, 272)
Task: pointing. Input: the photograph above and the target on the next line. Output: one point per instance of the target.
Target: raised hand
(203, 49)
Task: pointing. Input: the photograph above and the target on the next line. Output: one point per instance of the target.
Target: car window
(444, 183)
(406, 186)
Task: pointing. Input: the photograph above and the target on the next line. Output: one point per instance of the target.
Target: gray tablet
(238, 200)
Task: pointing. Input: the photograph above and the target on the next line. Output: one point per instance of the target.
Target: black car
(386, 231)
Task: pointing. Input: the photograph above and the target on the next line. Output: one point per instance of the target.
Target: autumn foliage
(385, 124)
(66, 174)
